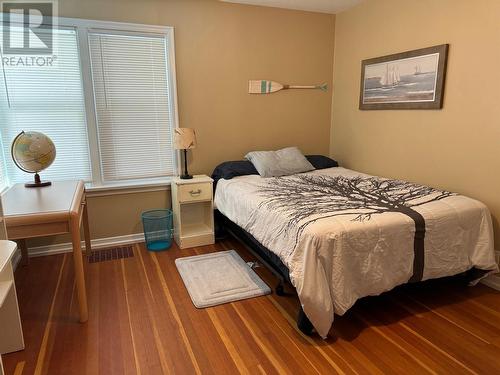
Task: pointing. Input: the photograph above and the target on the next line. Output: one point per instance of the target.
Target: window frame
(3, 169)
(82, 28)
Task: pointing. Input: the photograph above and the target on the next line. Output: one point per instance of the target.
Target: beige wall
(455, 148)
(219, 47)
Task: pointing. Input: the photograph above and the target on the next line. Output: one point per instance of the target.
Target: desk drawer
(195, 192)
(37, 230)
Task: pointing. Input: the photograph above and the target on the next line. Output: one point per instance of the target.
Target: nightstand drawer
(195, 192)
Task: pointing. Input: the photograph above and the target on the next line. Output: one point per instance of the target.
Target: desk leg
(86, 230)
(25, 260)
(79, 274)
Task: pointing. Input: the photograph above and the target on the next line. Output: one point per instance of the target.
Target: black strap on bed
(418, 245)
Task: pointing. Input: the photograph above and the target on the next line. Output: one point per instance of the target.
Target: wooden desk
(46, 211)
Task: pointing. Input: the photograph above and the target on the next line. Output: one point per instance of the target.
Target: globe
(33, 152)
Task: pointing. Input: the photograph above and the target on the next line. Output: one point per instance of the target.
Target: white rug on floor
(217, 278)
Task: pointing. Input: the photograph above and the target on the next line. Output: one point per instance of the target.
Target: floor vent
(112, 253)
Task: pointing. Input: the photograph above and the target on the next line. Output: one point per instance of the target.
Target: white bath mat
(217, 278)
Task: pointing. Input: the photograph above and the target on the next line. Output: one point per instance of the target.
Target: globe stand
(38, 182)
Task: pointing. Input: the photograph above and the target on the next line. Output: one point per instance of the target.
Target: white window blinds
(48, 99)
(133, 105)
(3, 174)
(3, 181)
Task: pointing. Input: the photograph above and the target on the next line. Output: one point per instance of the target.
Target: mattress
(345, 235)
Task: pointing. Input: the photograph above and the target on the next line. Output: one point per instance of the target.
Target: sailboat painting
(408, 80)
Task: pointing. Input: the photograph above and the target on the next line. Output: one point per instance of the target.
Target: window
(49, 100)
(131, 93)
(108, 103)
(3, 174)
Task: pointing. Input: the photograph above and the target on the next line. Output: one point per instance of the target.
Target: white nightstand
(192, 204)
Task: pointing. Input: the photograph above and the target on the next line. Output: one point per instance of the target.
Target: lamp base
(186, 177)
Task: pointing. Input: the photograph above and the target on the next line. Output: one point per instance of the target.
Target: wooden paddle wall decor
(268, 87)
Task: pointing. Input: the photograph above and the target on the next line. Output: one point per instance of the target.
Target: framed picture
(407, 80)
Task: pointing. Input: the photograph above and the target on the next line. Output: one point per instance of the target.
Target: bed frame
(224, 226)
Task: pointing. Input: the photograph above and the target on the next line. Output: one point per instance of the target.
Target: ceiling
(322, 6)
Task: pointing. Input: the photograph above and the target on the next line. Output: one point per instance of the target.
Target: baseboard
(493, 281)
(98, 243)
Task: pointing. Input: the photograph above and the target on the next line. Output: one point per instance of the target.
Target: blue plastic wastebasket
(158, 229)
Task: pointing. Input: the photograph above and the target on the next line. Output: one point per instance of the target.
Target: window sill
(131, 187)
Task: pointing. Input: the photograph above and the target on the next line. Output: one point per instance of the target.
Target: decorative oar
(267, 87)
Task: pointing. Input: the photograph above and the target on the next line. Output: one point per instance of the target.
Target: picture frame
(407, 80)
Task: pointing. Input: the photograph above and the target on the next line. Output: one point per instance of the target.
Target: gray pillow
(283, 162)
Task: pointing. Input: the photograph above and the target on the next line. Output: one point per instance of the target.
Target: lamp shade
(184, 138)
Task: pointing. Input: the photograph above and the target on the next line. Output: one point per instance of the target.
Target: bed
(338, 235)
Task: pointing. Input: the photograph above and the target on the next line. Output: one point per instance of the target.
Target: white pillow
(283, 162)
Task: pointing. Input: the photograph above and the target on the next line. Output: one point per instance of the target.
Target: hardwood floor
(142, 321)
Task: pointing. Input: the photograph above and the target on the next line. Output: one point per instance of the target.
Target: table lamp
(184, 139)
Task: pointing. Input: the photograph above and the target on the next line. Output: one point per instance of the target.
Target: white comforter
(337, 253)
